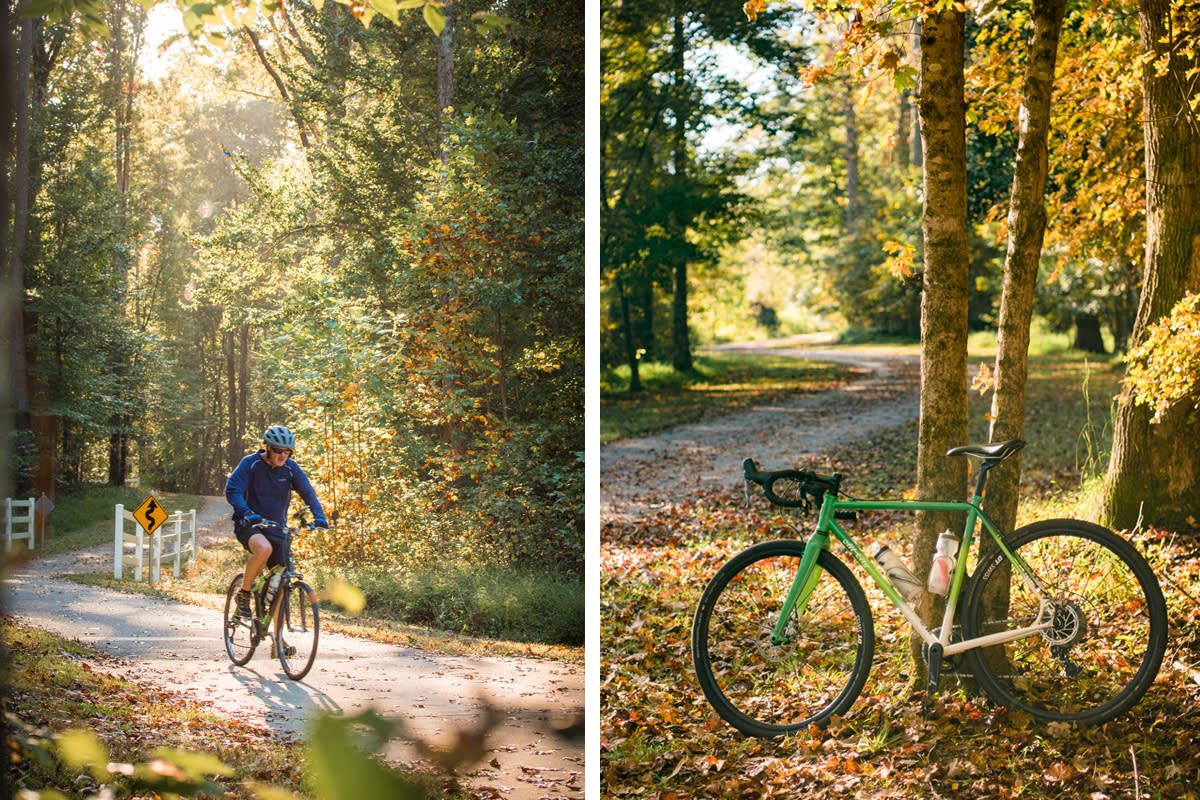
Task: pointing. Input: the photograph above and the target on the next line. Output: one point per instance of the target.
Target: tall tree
(1154, 473)
(942, 108)
(1026, 232)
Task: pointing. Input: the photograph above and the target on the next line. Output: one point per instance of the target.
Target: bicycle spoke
(1107, 624)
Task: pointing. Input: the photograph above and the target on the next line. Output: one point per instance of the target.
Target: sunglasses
(277, 450)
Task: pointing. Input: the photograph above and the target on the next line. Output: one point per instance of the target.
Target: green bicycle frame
(808, 574)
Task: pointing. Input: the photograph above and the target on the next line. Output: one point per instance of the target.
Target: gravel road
(179, 647)
(642, 474)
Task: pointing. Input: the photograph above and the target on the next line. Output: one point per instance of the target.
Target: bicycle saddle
(991, 453)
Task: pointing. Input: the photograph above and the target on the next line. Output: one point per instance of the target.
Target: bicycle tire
(1110, 630)
(767, 690)
(238, 633)
(297, 629)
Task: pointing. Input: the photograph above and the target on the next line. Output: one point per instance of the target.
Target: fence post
(8, 521)
(140, 548)
(178, 539)
(192, 549)
(119, 542)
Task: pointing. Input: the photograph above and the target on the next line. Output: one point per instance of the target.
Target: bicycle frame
(807, 574)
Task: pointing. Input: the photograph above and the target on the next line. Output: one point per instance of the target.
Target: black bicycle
(287, 616)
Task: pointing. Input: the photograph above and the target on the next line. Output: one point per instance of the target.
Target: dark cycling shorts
(278, 543)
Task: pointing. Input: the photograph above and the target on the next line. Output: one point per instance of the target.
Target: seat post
(984, 466)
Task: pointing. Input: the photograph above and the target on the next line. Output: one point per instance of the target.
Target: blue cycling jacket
(257, 488)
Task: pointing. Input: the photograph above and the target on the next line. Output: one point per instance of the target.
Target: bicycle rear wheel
(1109, 628)
(240, 640)
(767, 689)
(297, 628)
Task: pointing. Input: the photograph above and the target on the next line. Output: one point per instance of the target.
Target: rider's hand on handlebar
(320, 524)
(253, 520)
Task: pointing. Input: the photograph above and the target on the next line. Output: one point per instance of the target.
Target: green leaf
(434, 18)
(340, 771)
(79, 748)
(38, 8)
(387, 8)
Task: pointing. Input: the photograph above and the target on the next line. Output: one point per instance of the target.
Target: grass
(76, 730)
(57, 685)
(721, 382)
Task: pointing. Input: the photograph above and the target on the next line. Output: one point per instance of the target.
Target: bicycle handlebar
(801, 488)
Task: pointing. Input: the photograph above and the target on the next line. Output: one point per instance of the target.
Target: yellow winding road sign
(150, 515)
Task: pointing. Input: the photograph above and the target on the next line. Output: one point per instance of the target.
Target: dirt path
(645, 473)
(179, 647)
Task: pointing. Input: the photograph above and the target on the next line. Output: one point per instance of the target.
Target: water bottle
(943, 563)
(901, 577)
(272, 588)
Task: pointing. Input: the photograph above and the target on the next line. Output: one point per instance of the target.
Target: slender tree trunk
(1154, 474)
(681, 345)
(901, 150)
(243, 379)
(918, 143)
(851, 159)
(21, 188)
(231, 395)
(943, 422)
(445, 75)
(1026, 231)
(635, 382)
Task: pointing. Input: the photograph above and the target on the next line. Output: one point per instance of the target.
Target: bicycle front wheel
(297, 627)
(239, 632)
(1108, 632)
(764, 688)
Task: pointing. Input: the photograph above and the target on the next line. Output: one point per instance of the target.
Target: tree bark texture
(943, 424)
(1026, 232)
(1154, 474)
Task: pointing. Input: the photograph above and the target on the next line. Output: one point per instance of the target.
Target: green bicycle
(1062, 618)
(292, 611)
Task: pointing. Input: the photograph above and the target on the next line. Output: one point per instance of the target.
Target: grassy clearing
(659, 738)
(722, 382)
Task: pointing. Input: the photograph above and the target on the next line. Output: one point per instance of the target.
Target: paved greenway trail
(179, 647)
(645, 473)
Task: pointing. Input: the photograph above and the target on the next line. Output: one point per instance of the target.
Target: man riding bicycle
(260, 490)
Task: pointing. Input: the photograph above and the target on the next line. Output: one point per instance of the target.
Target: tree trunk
(21, 188)
(1087, 334)
(243, 379)
(234, 451)
(901, 152)
(445, 75)
(851, 159)
(635, 382)
(1154, 474)
(681, 346)
(1026, 231)
(943, 425)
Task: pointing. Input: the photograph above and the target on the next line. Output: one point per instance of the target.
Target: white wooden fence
(178, 532)
(18, 520)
